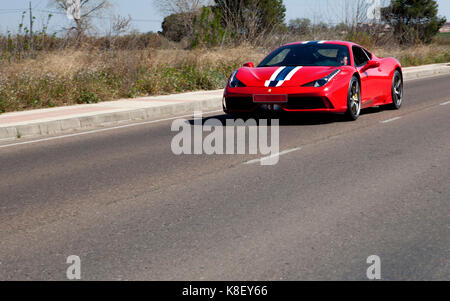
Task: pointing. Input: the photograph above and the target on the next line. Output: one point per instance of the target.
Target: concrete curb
(66, 125)
(419, 72)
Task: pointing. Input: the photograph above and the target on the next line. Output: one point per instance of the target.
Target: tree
(175, 27)
(413, 20)
(180, 15)
(300, 26)
(249, 18)
(208, 28)
(81, 11)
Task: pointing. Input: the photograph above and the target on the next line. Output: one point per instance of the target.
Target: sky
(146, 17)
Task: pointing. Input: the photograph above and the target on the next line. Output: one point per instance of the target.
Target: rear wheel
(354, 99)
(397, 91)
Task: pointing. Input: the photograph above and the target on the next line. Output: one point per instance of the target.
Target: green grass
(412, 59)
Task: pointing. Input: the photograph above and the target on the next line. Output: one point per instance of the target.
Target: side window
(369, 55)
(359, 56)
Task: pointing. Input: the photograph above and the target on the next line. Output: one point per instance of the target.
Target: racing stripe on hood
(282, 75)
(274, 76)
(292, 73)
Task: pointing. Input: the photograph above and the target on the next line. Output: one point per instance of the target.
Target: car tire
(397, 91)
(354, 99)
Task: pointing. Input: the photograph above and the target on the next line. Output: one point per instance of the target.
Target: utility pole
(31, 26)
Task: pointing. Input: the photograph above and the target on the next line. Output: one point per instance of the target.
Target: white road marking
(103, 130)
(445, 103)
(273, 156)
(390, 120)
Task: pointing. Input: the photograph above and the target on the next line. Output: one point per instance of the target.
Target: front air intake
(305, 103)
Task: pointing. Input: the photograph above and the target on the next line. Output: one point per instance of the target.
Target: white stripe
(306, 42)
(321, 42)
(291, 74)
(445, 103)
(273, 156)
(274, 76)
(103, 130)
(390, 120)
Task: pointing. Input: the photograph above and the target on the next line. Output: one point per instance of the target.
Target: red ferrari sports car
(318, 76)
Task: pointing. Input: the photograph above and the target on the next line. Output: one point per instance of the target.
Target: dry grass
(417, 55)
(70, 77)
(61, 63)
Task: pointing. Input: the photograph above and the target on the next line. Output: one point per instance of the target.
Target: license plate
(270, 98)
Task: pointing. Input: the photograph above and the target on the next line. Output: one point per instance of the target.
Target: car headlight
(234, 82)
(323, 81)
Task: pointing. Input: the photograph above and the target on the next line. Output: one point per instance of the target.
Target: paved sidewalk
(410, 73)
(79, 117)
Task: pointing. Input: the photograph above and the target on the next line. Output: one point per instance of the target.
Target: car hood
(282, 76)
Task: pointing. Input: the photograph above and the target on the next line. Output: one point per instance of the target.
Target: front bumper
(332, 98)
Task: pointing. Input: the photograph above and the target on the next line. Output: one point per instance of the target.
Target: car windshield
(308, 55)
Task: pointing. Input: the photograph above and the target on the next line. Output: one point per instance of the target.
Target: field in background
(75, 77)
(65, 77)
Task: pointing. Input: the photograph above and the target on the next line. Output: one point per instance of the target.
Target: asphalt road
(132, 210)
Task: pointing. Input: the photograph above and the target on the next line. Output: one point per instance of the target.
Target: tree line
(215, 23)
(221, 22)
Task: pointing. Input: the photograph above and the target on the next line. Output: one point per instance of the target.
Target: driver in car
(342, 58)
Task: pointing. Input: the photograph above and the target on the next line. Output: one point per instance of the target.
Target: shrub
(414, 21)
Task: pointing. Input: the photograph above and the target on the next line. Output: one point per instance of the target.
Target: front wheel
(397, 91)
(354, 99)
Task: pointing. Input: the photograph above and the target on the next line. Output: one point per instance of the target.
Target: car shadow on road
(292, 119)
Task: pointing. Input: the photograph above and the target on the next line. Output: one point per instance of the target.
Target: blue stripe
(283, 74)
(273, 83)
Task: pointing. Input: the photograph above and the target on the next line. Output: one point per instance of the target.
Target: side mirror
(249, 64)
(371, 65)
